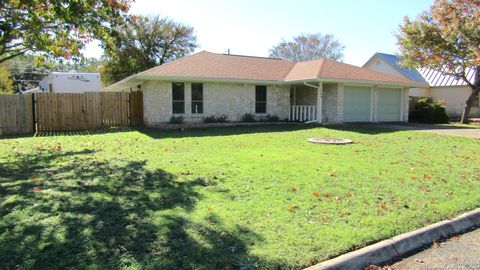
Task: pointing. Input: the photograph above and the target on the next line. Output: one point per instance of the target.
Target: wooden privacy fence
(66, 112)
(16, 114)
(69, 111)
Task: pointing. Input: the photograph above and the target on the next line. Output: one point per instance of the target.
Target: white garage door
(356, 103)
(389, 105)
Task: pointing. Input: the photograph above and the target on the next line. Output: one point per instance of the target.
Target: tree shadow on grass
(362, 128)
(224, 131)
(86, 212)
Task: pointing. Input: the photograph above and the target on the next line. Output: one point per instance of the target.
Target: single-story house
(448, 89)
(326, 91)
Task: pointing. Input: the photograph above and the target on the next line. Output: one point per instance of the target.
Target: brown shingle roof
(335, 70)
(220, 66)
(305, 70)
(209, 65)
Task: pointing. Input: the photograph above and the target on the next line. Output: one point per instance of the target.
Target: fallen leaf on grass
(35, 178)
(327, 195)
(324, 219)
(315, 194)
(56, 148)
(37, 189)
(383, 206)
(424, 188)
(334, 173)
(294, 189)
(427, 176)
(292, 208)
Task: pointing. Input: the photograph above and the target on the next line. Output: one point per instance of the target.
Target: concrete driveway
(460, 252)
(469, 132)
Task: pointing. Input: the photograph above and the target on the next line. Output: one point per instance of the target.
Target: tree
(146, 43)
(5, 81)
(57, 28)
(309, 47)
(447, 39)
(26, 72)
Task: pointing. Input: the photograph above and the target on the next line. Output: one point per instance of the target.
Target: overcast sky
(252, 27)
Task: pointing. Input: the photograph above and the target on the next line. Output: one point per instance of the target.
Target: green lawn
(226, 198)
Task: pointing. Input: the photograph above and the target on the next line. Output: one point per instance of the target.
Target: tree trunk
(468, 105)
(474, 95)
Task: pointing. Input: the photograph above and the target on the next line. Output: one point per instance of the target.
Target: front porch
(314, 102)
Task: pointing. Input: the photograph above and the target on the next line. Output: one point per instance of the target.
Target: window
(261, 99)
(197, 98)
(178, 98)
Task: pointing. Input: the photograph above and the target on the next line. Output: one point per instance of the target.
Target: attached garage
(389, 104)
(357, 104)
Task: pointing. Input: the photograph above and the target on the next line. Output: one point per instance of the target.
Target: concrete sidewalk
(460, 252)
(446, 130)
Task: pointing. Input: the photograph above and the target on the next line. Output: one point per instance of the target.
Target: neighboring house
(448, 89)
(70, 82)
(326, 91)
(32, 91)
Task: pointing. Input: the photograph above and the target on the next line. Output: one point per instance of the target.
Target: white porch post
(404, 105)
(340, 103)
(319, 101)
(374, 100)
(294, 95)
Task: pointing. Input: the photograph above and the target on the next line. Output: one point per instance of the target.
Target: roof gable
(305, 70)
(394, 61)
(424, 75)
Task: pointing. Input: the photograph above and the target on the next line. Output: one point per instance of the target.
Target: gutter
(311, 85)
(365, 82)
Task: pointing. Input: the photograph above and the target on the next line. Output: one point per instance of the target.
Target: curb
(401, 245)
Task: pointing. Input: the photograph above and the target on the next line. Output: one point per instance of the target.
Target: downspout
(319, 100)
(311, 85)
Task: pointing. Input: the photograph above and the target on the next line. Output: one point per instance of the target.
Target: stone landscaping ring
(329, 141)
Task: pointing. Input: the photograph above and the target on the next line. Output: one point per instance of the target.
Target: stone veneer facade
(236, 99)
(232, 99)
